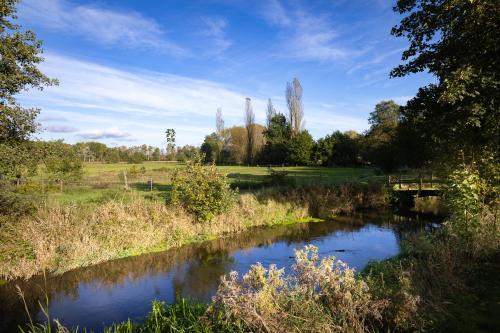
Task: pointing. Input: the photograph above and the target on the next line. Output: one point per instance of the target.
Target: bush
(319, 296)
(202, 190)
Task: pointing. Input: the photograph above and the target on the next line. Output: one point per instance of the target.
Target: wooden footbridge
(422, 185)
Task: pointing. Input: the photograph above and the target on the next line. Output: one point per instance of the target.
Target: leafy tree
(456, 41)
(20, 53)
(277, 137)
(337, 149)
(61, 161)
(19, 56)
(380, 140)
(300, 148)
(156, 154)
(235, 150)
(187, 153)
(170, 137)
(98, 150)
(322, 150)
(19, 160)
(211, 148)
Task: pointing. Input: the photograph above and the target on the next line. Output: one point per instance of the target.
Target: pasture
(102, 181)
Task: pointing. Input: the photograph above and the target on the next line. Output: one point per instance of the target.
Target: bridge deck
(417, 184)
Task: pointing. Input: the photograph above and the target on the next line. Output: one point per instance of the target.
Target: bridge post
(432, 174)
(419, 182)
(399, 179)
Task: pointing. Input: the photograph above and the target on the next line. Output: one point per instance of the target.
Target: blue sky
(130, 69)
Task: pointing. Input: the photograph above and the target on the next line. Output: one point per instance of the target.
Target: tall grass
(61, 237)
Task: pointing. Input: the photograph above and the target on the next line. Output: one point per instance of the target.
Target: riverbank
(61, 237)
(422, 289)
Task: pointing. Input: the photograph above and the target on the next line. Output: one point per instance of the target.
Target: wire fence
(162, 181)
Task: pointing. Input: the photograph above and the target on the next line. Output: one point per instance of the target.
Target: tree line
(388, 144)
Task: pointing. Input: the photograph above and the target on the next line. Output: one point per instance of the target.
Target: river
(113, 291)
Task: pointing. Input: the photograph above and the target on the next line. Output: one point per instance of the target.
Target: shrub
(318, 296)
(202, 190)
(14, 205)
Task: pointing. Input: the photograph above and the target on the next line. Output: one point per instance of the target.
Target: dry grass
(61, 238)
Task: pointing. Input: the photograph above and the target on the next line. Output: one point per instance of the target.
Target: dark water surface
(114, 291)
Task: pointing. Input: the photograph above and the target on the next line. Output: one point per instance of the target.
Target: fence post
(125, 179)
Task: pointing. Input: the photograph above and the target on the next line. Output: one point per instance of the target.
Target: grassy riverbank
(61, 237)
(433, 285)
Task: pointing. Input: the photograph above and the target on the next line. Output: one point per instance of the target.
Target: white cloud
(275, 14)
(144, 103)
(306, 36)
(111, 133)
(215, 30)
(105, 26)
(60, 129)
(91, 86)
(51, 117)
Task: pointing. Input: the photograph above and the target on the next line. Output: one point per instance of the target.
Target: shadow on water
(124, 288)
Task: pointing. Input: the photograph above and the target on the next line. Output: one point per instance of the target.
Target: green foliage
(19, 56)
(465, 194)
(299, 148)
(19, 160)
(185, 153)
(379, 144)
(202, 190)
(277, 136)
(337, 149)
(17, 124)
(457, 41)
(182, 316)
(212, 148)
(61, 161)
(170, 137)
(14, 205)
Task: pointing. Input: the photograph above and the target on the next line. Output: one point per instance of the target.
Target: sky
(128, 69)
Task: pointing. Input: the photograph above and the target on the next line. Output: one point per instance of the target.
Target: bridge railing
(414, 182)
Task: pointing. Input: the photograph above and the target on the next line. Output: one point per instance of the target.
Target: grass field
(102, 181)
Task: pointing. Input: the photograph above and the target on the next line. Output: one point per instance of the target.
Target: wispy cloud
(105, 26)
(60, 129)
(51, 118)
(215, 30)
(375, 59)
(306, 36)
(111, 133)
(275, 14)
(143, 104)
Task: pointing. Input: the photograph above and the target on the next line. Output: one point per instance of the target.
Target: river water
(116, 290)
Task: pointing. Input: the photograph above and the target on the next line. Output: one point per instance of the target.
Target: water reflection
(121, 289)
